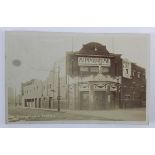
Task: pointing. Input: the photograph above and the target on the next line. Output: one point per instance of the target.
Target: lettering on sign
(91, 61)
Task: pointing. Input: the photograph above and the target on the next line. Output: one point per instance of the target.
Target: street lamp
(133, 94)
(72, 65)
(118, 92)
(15, 97)
(58, 97)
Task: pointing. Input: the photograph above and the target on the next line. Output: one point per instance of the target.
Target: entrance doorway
(84, 100)
(39, 102)
(35, 103)
(101, 100)
(25, 105)
(50, 102)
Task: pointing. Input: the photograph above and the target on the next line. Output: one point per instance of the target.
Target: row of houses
(43, 94)
(92, 79)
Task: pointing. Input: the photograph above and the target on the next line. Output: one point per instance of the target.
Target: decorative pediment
(106, 78)
(94, 48)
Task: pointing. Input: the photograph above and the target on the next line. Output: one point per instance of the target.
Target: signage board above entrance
(91, 61)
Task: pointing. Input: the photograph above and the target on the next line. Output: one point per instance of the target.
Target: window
(126, 71)
(127, 96)
(84, 69)
(105, 70)
(134, 73)
(138, 74)
(94, 69)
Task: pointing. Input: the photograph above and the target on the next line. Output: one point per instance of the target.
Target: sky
(32, 54)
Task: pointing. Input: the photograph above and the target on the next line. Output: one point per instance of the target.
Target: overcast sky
(38, 50)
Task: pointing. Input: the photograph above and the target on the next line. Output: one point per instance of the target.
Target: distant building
(98, 79)
(18, 100)
(43, 94)
(32, 93)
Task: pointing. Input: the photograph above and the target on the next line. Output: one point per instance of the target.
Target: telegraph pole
(15, 96)
(58, 97)
(118, 94)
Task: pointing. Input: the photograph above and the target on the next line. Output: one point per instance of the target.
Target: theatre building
(98, 80)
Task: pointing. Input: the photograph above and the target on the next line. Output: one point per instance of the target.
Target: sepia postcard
(63, 77)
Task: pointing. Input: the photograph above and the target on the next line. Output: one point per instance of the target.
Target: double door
(100, 100)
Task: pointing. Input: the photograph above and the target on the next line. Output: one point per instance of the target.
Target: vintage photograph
(76, 77)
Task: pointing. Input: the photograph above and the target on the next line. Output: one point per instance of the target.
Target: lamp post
(142, 96)
(58, 97)
(72, 65)
(15, 97)
(133, 94)
(58, 84)
(118, 93)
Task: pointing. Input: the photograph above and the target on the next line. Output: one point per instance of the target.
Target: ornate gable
(94, 48)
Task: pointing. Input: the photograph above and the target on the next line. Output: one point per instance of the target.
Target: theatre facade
(97, 80)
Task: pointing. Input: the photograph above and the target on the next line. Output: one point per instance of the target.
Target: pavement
(28, 114)
(20, 114)
(137, 114)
